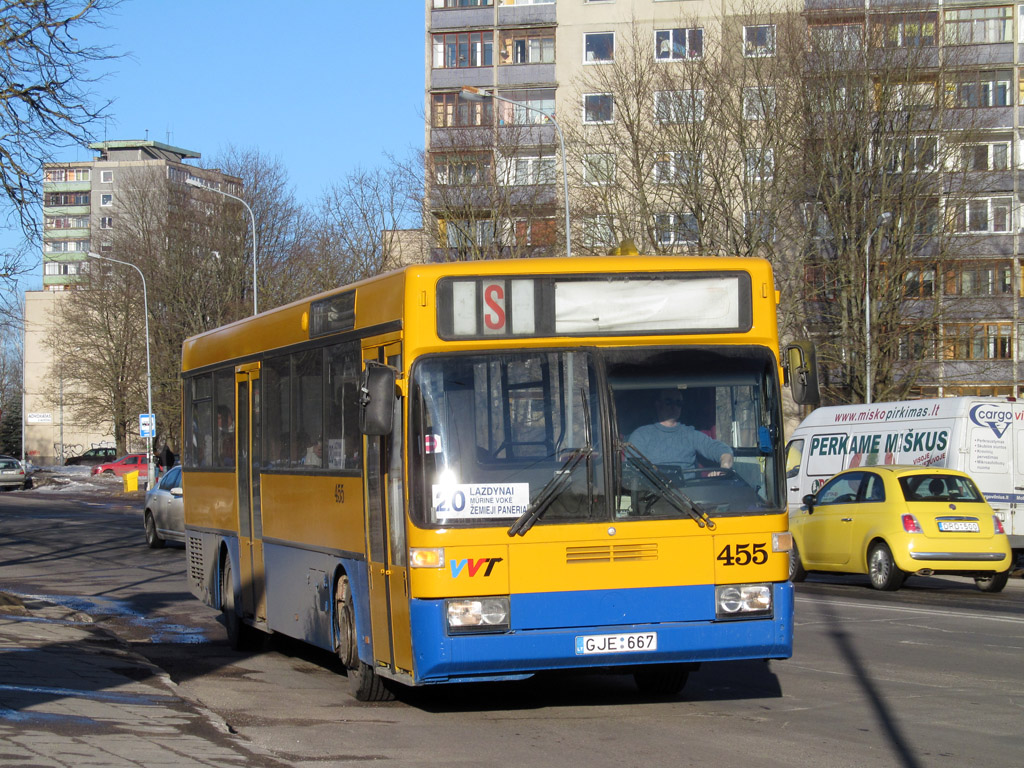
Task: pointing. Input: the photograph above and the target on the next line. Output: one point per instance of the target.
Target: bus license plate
(958, 525)
(627, 643)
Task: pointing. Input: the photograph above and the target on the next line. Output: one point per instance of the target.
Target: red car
(133, 462)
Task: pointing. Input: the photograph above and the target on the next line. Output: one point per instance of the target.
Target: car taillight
(910, 524)
(998, 524)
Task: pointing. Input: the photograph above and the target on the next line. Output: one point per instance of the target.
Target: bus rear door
(250, 519)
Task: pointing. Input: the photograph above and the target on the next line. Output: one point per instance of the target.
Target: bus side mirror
(801, 372)
(377, 400)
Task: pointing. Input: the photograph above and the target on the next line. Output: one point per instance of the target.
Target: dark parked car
(92, 457)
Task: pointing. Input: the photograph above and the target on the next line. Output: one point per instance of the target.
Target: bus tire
(238, 631)
(796, 567)
(882, 569)
(993, 583)
(363, 682)
(661, 680)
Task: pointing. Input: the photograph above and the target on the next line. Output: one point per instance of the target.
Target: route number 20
(744, 554)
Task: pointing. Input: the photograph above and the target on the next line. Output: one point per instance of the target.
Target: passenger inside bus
(669, 441)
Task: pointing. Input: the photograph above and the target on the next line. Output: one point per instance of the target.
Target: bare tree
(45, 98)
(11, 363)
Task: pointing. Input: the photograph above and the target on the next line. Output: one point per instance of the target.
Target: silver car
(164, 517)
(12, 473)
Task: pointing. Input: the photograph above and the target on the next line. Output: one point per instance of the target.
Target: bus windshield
(499, 435)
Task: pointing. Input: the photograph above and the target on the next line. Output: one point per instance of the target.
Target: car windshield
(556, 434)
(939, 488)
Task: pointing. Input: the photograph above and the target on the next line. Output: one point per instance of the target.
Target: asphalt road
(931, 675)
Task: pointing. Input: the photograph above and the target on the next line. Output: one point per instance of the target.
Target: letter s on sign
(494, 307)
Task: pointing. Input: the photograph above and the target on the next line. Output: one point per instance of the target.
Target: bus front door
(250, 518)
(387, 561)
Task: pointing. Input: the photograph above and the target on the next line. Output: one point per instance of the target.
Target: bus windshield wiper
(552, 489)
(662, 485)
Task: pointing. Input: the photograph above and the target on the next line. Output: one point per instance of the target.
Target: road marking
(924, 611)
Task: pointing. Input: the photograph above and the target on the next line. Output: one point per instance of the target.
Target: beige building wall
(51, 435)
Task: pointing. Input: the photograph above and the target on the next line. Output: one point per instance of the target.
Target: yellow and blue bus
(434, 473)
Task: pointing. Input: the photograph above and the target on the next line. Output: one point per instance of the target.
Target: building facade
(81, 204)
(494, 161)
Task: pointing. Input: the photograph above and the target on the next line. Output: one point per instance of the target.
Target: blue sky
(324, 86)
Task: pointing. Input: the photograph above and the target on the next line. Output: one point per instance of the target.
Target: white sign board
(465, 501)
(39, 418)
(147, 425)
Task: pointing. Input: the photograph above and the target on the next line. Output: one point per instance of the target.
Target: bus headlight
(742, 601)
(477, 614)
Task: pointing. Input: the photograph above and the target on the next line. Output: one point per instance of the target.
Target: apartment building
(495, 173)
(81, 204)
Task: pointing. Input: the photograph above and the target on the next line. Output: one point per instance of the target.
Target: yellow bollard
(131, 481)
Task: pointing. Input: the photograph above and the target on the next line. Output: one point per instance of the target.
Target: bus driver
(667, 441)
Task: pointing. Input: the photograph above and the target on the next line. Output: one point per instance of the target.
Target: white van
(982, 436)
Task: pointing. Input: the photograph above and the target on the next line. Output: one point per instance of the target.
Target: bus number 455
(744, 554)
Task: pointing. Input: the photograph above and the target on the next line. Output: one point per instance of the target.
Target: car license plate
(630, 642)
(958, 526)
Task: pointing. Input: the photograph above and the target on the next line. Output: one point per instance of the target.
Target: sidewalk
(72, 694)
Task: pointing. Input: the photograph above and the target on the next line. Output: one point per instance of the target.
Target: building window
(677, 168)
(451, 111)
(967, 26)
(678, 106)
(992, 156)
(539, 232)
(106, 222)
(66, 222)
(527, 46)
(468, 233)
(599, 169)
(526, 2)
(758, 103)
(530, 171)
(598, 108)
(106, 199)
(532, 107)
(66, 246)
(974, 279)
(678, 44)
(919, 153)
(676, 228)
(837, 37)
(438, 4)
(760, 164)
(977, 341)
(905, 30)
(461, 171)
(66, 198)
(598, 231)
(66, 174)
(759, 40)
(457, 50)
(106, 177)
(919, 282)
(983, 214)
(61, 268)
(916, 345)
(598, 47)
(758, 227)
(990, 90)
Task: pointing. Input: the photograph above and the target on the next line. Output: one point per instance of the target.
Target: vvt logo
(473, 567)
(992, 416)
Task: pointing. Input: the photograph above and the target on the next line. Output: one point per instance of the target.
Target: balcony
(459, 18)
(526, 74)
(480, 77)
(521, 15)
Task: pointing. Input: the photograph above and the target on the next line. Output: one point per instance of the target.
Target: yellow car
(892, 521)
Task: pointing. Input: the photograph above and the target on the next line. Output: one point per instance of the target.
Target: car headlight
(743, 601)
(477, 614)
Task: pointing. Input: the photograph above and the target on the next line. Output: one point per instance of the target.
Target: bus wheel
(236, 628)
(661, 679)
(882, 569)
(993, 583)
(364, 684)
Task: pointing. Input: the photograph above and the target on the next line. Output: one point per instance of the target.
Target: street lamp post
(479, 94)
(883, 219)
(150, 473)
(194, 182)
